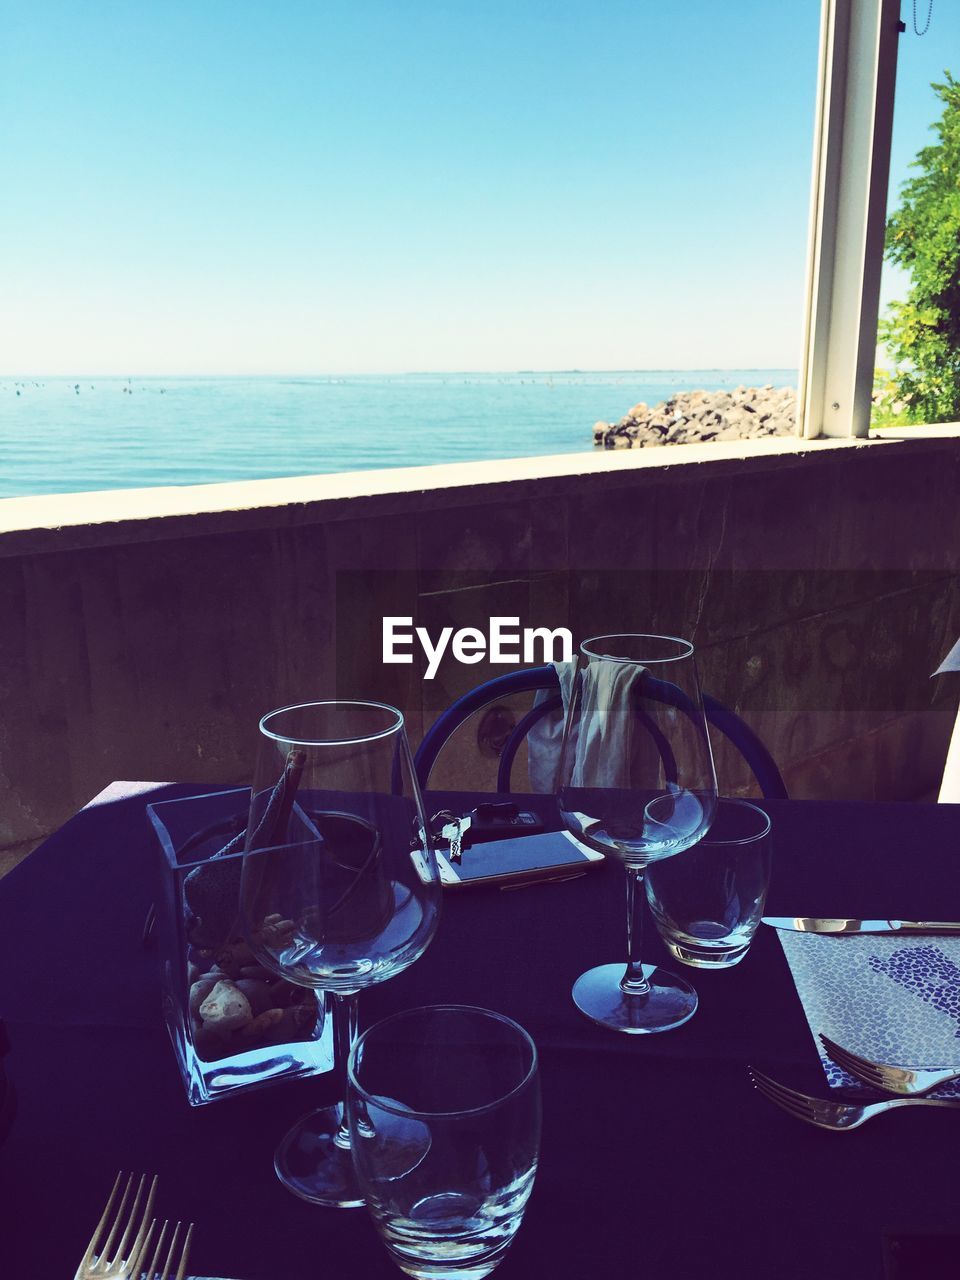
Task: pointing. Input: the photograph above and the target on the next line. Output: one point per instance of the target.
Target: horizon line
(409, 373)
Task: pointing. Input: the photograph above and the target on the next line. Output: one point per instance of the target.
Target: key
(451, 833)
(465, 825)
(454, 832)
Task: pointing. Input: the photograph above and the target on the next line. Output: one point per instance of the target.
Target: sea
(76, 434)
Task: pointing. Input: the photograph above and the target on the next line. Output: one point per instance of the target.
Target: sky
(344, 186)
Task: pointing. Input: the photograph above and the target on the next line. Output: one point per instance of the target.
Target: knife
(838, 928)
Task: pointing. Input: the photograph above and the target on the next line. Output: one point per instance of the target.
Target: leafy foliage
(922, 333)
(888, 409)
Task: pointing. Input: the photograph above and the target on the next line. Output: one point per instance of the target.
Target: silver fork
(176, 1256)
(906, 1081)
(102, 1261)
(825, 1113)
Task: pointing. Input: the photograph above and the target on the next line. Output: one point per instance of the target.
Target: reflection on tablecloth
(892, 999)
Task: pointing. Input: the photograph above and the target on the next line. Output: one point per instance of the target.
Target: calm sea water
(60, 435)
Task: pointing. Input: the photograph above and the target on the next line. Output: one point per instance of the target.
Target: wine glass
(636, 781)
(339, 889)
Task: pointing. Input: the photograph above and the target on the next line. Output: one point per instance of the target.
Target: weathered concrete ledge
(59, 522)
(144, 632)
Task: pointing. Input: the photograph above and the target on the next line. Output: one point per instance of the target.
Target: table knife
(817, 924)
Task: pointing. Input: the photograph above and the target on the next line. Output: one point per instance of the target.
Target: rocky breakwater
(695, 417)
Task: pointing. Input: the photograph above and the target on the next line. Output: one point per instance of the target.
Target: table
(658, 1158)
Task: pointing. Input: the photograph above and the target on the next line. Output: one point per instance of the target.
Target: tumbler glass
(444, 1112)
(708, 900)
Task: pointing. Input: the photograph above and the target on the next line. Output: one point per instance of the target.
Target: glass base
(706, 955)
(311, 1164)
(669, 1003)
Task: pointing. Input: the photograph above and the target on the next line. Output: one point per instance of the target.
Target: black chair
(721, 718)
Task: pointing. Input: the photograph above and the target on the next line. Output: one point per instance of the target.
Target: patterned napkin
(893, 999)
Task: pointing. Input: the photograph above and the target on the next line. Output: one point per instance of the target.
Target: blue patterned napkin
(893, 999)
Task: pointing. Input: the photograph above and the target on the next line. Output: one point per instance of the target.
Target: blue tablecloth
(658, 1158)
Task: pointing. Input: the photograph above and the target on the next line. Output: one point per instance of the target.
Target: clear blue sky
(379, 185)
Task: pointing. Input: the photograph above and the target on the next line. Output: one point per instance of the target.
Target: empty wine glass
(636, 781)
(339, 889)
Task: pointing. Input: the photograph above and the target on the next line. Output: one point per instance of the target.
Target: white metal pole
(853, 131)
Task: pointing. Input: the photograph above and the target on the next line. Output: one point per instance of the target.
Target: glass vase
(233, 1024)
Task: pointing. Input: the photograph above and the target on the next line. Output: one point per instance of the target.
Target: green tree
(922, 333)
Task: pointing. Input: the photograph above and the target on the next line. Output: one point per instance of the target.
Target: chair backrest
(532, 679)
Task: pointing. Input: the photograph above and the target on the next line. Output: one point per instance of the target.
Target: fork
(906, 1081)
(101, 1262)
(825, 1113)
(175, 1251)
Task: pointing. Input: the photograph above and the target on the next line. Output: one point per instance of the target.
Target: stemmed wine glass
(636, 781)
(339, 888)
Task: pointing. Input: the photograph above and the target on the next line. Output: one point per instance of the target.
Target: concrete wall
(142, 634)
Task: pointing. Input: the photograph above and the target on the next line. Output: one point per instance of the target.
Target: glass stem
(633, 982)
(345, 1028)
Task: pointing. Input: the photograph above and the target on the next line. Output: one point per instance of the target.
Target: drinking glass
(444, 1107)
(339, 888)
(707, 902)
(636, 782)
